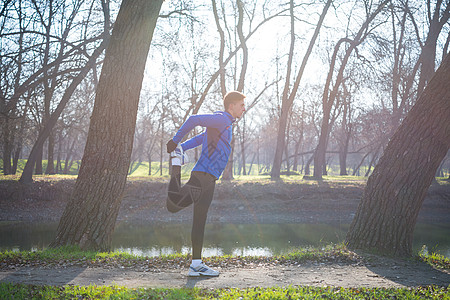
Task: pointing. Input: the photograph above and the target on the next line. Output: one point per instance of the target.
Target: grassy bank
(11, 291)
(69, 256)
(330, 254)
(72, 256)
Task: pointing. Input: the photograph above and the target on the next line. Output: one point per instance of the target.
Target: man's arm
(193, 142)
(208, 120)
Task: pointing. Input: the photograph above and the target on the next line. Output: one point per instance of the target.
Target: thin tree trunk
(372, 161)
(356, 170)
(58, 156)
(149, 163)
(49, 88)
(308, 164)
(7, 148)
(343, 152)
(38, 160)
(19, 145)
(8, 111)
(15, 161)
(251, 164)
(89, 218)
(394, 194)
(50, 163)
(69, 156)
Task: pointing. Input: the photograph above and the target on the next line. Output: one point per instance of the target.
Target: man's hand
(171, 145)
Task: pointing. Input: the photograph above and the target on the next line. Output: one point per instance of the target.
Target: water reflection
(220, 239)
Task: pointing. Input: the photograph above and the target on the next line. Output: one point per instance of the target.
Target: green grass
(75, 255)
(140, 172)
(21, 165)
(436, 260)
(334, 253)
(20, 291)
(72, 254)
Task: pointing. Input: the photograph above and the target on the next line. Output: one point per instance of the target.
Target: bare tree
(289, 96)
(329, 97)
(46, 131)
(34, 25)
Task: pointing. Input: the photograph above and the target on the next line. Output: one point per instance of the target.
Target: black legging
(198, 190)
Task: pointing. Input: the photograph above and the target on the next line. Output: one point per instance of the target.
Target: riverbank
(263, 201)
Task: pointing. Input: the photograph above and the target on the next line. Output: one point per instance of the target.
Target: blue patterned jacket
(215, 140)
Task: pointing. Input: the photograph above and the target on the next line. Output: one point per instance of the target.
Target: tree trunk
(38, 160)
(149, 163)
(357, 168)
(251, 164)
(372, 161)
(343, 151)
(244, 169)
(343, 162)
(89, 218)
(58, 156)
(308, 164)
(7, 148)
(394, 194)
(50, 163)
(69, 152)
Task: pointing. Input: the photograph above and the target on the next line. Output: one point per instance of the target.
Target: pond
(220, 239)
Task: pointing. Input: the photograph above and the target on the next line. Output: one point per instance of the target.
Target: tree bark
(394, 194)
(89, 218)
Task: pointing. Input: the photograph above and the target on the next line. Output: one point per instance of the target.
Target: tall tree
(89, 218)
(289, 96)
(329, 96)
(394, 194)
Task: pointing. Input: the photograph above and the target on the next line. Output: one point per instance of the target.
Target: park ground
(260, 200)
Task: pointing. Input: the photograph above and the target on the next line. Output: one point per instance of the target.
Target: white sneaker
(202, 270)
(178, 157)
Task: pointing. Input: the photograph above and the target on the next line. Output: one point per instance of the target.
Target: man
(199, 189)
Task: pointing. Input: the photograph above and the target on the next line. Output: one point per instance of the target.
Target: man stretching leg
(199, 189)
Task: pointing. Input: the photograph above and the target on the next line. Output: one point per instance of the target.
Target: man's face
(237, 109)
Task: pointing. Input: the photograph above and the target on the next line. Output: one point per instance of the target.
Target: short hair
(232, 97)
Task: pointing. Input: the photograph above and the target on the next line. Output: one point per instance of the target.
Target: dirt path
(379, 272)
